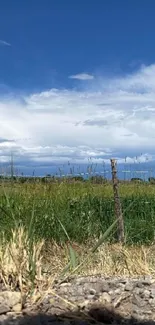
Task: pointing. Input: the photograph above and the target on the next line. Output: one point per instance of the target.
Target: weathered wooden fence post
(117, 202)
(12, 167)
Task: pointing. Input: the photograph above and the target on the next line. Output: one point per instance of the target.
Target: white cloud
(115, 117)
(4, 43)
(82, 76)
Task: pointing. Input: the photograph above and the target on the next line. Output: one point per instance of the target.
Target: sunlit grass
(86, 210)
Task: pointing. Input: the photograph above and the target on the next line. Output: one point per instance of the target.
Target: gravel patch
(85, 300)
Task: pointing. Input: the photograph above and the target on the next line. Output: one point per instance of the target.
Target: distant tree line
(49, 178)
(98, 179)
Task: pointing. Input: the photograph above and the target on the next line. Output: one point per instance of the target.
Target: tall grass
(52, 229)
(85, 210)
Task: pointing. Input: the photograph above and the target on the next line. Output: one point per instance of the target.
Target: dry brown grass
(20, 261)
(109, 260)
(37, 265)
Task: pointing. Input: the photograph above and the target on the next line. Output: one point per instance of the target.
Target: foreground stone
(8, 301)
(107, 300)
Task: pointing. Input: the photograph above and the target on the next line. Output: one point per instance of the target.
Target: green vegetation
(85, 209)
(53, 227)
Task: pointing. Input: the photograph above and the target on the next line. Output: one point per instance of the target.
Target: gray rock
(104, 287)
(152, 290)
(128, 287)
(11, 297)
(152, 301)
(148, 280)
(118, 291)
(138, 301)
(17, 308)
(138, 291)
(89, 297)
(105, 298)
(4, 308)
(147, 312)
(145, 294)
(139, 284)
(135, 309)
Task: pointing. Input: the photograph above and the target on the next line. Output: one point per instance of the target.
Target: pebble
(118, 291)
(92, 291)
(146, 294)
(105, 298)
(128, 287)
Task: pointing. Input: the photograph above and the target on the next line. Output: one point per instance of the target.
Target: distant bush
(22, 180)
(78, 178)
(72, 179)
(48, 178)
(98, 180)
(136, 180)
(151, 180)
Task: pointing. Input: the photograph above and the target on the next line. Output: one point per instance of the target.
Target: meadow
(84, 209)
(65, 224)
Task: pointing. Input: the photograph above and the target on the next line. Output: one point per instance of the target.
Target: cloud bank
(115, 117)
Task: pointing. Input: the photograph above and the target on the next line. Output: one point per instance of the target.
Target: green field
(80, 210)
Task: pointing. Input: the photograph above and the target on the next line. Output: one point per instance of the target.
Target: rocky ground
(85, 300)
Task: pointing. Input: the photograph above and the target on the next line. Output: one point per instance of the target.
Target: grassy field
(58, 224)
(84, 210)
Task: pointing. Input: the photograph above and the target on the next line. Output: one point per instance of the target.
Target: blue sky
(52, 39)
(77, 79)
